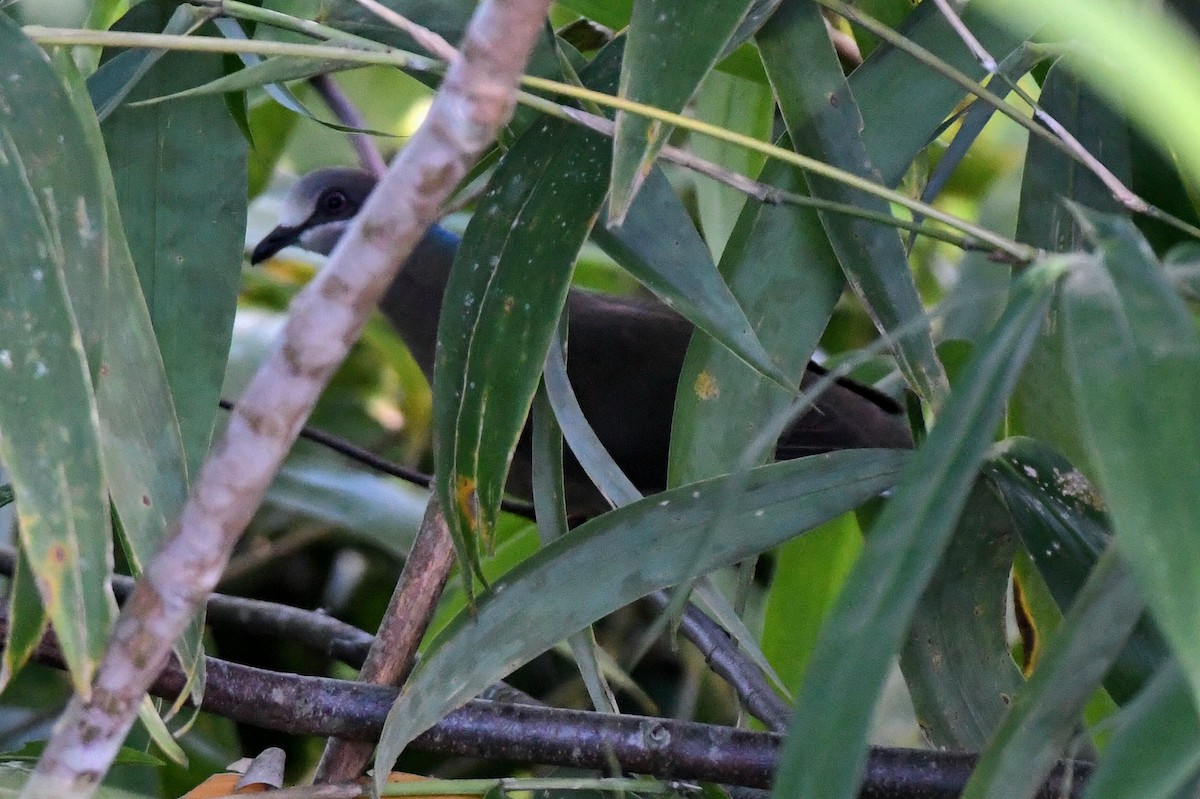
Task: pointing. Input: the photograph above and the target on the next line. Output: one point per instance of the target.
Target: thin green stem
(936, 64)
(762, 192)
(1043, 125)
(392, 57)
(1008, 246)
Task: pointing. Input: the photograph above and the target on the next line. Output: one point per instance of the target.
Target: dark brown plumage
(624, 355)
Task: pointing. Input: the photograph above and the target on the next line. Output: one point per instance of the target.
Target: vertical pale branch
(475, 100)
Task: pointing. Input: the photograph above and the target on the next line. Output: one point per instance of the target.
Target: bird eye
(334, 201)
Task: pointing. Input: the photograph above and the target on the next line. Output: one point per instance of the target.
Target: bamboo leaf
(780, 267)
(618, 557)
(824, 122)
(53, 287)
(1155, 751)
(185, 226)
(1140, 420)
(666, 59)
(903, 102)
(1045, 714)
(956, 660)
(1064, 527)
(826, 747)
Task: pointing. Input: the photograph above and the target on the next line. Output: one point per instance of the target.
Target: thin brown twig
(369, 157)
(727, 660)
(380, 464)
(968, 38)
(432, 42)
(394, 650)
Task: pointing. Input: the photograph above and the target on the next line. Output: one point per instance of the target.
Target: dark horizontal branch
(344, 642)
(662, 748)
(727, 661)
(319, 631)
(380, 464)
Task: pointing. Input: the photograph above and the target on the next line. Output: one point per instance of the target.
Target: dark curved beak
(273, 242)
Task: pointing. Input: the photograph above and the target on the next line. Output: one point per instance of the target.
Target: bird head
(316, 211)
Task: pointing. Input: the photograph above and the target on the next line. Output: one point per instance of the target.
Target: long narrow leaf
(618, 557)
(53, 284)
(667, 57)
(956, 660)
(824, 122)
(783, 273)
(1140, 421)
(186, 225)
(1155, 751)
(1063, 525)
(903, 102)
(1046, 712)
(826, 747)
(141, 444)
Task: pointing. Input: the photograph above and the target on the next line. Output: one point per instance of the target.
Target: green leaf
(666, 59)
(1046, 713)
(903, 102)
(53, 287)
(1051, 176)
(482, 393)
(1182, 265)
(1155, 751)
(268, 74)
(809, 573)
(890, 12)
(500, 315)
(111, 84)
(1043, 408)
(1133, 357)
(1146, 61)
(493, 348)
(738, 105)
(597, 463)
(660, 246)
(780, 268)
(826, 747)
(956, 660)
(185, 225)
(26, 620)
(618, 557)
(549, 492)
(824, 122)
(1062, 523)
(140, 439)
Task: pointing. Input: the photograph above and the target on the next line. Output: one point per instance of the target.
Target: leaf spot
(706, 386)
